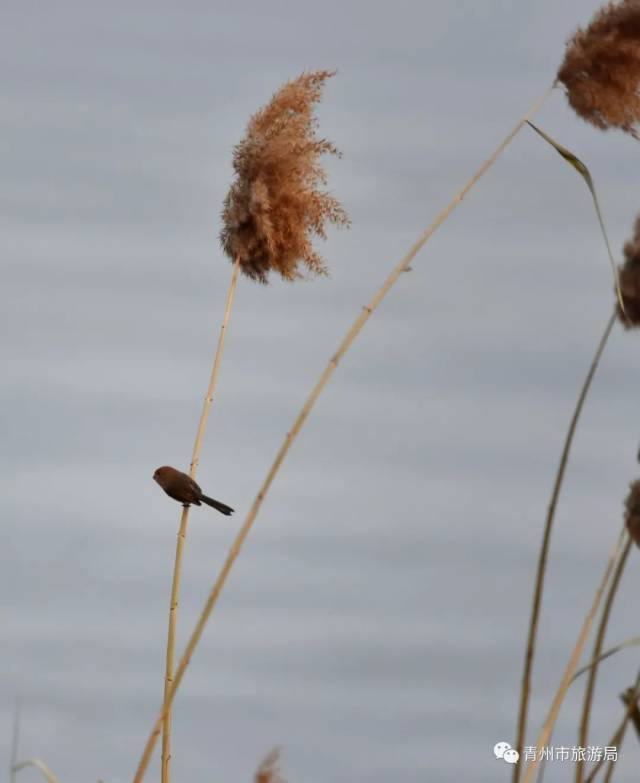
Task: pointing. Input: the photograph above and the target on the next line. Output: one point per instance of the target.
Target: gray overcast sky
(374, 625)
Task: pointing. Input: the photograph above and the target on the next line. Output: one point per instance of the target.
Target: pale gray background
(374, 625)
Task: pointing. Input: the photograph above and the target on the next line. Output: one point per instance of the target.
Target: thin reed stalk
(597, 649)
(353, 332)
(182, 532)
(632, 641)
(15, 741)
(612, 764)
(618, 734)
(571, 666)
(525, 692)
(38, 764)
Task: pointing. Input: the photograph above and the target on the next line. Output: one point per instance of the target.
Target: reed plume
(629, 277)
(275, 206)
(632, 511)
(601, 68)
(629, 698)
(269, 769)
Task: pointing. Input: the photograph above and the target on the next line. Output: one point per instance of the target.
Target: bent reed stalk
(353, 332)
(182, 532)
(597, 650)
(525, 691)
(571, 666)
(38, 764)
(618, 735)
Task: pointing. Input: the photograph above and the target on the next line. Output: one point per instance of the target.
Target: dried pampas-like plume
(601, 68)
(268, 771)
(632, 513)
(629, 276)
(274, 205)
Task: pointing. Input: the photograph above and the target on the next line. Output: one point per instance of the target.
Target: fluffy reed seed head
(269, 770)
(601, 68)
(629, 277)
(275, 205)
(632, 511)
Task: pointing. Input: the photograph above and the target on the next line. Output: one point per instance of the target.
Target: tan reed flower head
(629, 276)
(632, 511)
(269, 771)
(275, 205)
(601, 68)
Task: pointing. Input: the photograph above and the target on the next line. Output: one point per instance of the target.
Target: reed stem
(15, 740)
(38, 764)
(571, 666)
(353, 332)
(618, 734)
(597, 649)
(182, 532)
(525, 691)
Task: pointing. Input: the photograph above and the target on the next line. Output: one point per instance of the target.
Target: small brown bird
(184, 489)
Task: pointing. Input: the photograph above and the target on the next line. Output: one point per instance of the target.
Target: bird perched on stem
(184, 489)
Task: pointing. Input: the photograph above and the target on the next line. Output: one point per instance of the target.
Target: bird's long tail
(221, 507)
